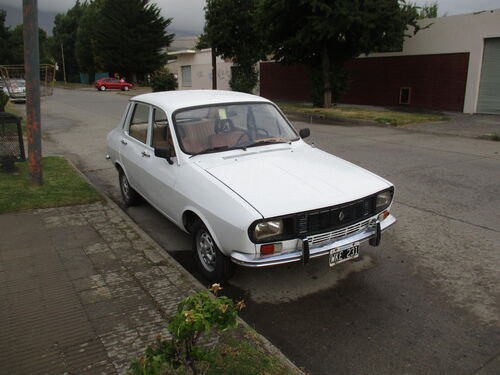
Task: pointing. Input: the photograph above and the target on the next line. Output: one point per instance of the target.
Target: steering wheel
(262, 131)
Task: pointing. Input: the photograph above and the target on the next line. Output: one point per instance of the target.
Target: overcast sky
(188, 15)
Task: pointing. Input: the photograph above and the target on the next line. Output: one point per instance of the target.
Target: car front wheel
(125, 88)
(103, 88)
(129, 195)
(214, 265)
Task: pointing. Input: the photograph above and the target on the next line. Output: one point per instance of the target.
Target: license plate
(339, 255)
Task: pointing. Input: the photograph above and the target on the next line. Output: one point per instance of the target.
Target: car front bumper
(253, 260)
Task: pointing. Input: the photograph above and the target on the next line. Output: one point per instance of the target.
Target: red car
(112, 83)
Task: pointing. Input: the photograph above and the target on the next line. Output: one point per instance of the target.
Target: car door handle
(124, 141)
(146, 154)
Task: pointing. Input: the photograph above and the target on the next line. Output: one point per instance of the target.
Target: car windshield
(228, 126)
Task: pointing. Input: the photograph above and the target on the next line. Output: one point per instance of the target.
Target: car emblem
(341, 215)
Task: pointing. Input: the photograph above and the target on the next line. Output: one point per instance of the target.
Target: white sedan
(230, 169)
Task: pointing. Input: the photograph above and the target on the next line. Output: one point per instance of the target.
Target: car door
(160, 175)
(134, 151)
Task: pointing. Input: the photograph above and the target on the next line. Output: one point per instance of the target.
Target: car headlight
(267, 229)
(384, 200)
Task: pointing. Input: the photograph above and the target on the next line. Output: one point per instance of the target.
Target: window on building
(186, 75)
(404, 95)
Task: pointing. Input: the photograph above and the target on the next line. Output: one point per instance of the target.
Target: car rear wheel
(129, 195)
(214, 265)
(103, 88)
(125, 88)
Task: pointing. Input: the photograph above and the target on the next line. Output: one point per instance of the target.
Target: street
(426, 301)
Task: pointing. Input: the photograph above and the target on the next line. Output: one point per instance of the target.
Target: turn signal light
(271, 248)
(383, 215)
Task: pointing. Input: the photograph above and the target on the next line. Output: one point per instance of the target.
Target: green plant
(163, 80)
(4, 99)
(244, 78)
(196, 315)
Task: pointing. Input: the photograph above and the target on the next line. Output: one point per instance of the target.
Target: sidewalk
(83, 290)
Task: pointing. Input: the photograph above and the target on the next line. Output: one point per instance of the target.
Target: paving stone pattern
(81, 291)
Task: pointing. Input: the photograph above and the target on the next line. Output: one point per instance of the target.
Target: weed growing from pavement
(198, 314)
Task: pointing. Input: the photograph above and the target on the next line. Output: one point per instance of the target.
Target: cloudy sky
(188, 15)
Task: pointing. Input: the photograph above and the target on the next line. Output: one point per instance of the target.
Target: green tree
(132, 37)
(428, 10)
(65, 36)
(17, 46)
(86, 52)
(5, 55)
(327, 33)
(231, 30)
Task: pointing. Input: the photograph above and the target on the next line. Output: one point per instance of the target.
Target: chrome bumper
(250, 260)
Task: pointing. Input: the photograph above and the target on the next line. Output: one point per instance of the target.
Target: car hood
(280, 180)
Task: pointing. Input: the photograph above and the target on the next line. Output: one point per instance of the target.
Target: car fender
(205, 221)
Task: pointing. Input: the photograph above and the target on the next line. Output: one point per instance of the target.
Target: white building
(194, 70)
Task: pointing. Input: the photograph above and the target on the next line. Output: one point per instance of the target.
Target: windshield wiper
(266, 142)
(210, 149)
(218, 148)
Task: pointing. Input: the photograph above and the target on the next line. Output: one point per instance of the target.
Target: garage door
(489, 87)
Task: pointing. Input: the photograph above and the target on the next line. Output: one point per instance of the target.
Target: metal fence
(11, 74)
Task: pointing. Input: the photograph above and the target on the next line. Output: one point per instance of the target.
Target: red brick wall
(436, 81)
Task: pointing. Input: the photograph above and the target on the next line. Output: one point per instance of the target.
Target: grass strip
(244, 355)
(62, 186)
(394, 118)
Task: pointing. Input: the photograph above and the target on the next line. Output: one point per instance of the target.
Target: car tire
(129, 195)
(125, 88)
(214, 265)
(102, 88)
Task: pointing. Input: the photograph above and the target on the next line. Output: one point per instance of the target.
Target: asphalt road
(425, 302)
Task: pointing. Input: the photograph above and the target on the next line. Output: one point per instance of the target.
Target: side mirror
(165, 153)
(304, 133)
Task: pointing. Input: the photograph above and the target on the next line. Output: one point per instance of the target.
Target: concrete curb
(161, 253)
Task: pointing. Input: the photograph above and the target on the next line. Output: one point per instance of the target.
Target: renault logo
(341, 215)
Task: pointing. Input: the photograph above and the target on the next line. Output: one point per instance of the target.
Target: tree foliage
(231, 30)
(327, 33)
(132, 36)
(12, 42)
(163, 80)
(65, 36)
(17, 46)
(428, 10)
(5, 55)
(86, 52)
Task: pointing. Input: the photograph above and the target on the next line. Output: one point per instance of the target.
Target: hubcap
(206, 251)
(125, 187)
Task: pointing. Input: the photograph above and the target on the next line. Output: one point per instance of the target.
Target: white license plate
(339, 255)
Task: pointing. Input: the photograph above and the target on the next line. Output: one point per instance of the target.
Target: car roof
(173, 100)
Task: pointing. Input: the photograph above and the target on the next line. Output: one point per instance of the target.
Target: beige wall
(450, 34)
(201, 70)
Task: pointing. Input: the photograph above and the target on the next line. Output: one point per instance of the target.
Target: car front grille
(336, 218)
(324, 238)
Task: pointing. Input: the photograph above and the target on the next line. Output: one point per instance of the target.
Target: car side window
(139, 121)
(162, 137)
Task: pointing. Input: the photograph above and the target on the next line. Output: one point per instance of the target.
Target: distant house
(453, 65)
(194, 69)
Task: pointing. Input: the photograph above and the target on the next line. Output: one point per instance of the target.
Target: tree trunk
(327, 86)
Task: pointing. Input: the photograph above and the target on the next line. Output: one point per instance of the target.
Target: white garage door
(489, 87)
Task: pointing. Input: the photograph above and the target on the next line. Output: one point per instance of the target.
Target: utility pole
(214, 70)
(63, 64)
(32, 78)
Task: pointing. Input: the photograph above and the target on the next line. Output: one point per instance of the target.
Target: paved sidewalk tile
(81, 291)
